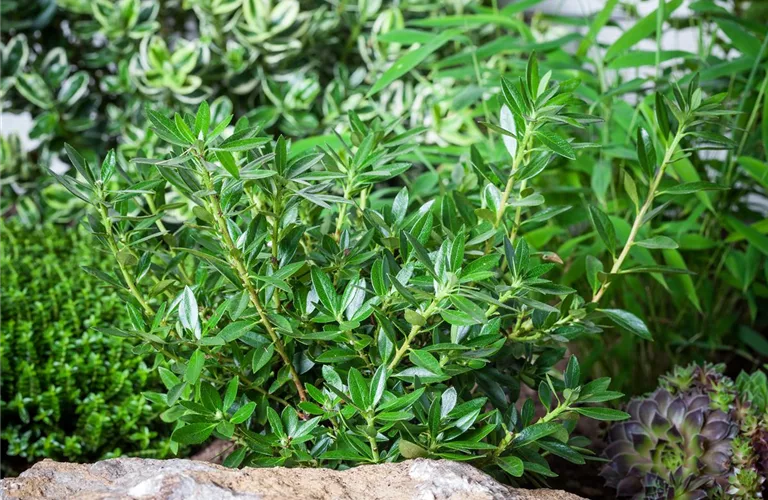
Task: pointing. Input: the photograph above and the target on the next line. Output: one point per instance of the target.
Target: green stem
(415, 330)
(239, 266)
(519, 155)
(159, 223)
(275, 239)
(642, 212)
(510, 436)
(554, 413)
(518, 214)
(372, 441)
(340, 220)
(107, 222)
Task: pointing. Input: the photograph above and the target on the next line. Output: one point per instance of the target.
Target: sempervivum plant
(708, 379)
(670, 447)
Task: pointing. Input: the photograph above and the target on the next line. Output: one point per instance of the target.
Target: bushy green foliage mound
(313, 317)
(68, 391)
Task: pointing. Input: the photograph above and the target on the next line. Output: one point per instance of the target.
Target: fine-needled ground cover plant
(69, 392)
(314, 320)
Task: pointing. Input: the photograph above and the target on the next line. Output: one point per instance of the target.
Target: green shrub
(299, 72)
(68, 391)
(313, 315)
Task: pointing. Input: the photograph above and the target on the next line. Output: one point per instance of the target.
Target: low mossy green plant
(69, 392)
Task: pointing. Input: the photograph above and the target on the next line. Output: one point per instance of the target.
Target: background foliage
(86, 69)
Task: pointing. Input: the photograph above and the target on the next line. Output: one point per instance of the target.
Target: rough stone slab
(136, 478)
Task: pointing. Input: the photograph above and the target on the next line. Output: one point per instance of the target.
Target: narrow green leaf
(535, 432)
(188, 311)
(629, 322)
(426, 360)
(378, 385)
(657, 242)
(241, 145)
(411, 59)
(230, 393)
(358, 389)
(640, 30)
(193, 433)
(421, 254)
(325, 290)
(662, 115)
(183, 129)
(108, 166)
(165, 128)
(600, 20)
(511, 465)
(411, 450)
(607, 414)
(228, 162)
(604, 228)
(235, 458)
(194, 367)
(235, 330)
(79, 163)
(202, 119)
(646, 153)
(760, 241)
(572, 374)
(594, 267)
(557, 144)
(262, 356)
(693, 187)
(243, 413)
(741, 39)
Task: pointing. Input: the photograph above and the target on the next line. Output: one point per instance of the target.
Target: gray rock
(136, 478)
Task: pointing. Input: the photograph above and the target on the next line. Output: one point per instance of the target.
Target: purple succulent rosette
(670, 447)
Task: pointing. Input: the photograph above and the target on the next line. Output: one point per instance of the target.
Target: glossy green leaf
(604, 228)
(629, 322)
(557, 144)
(193, 433)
